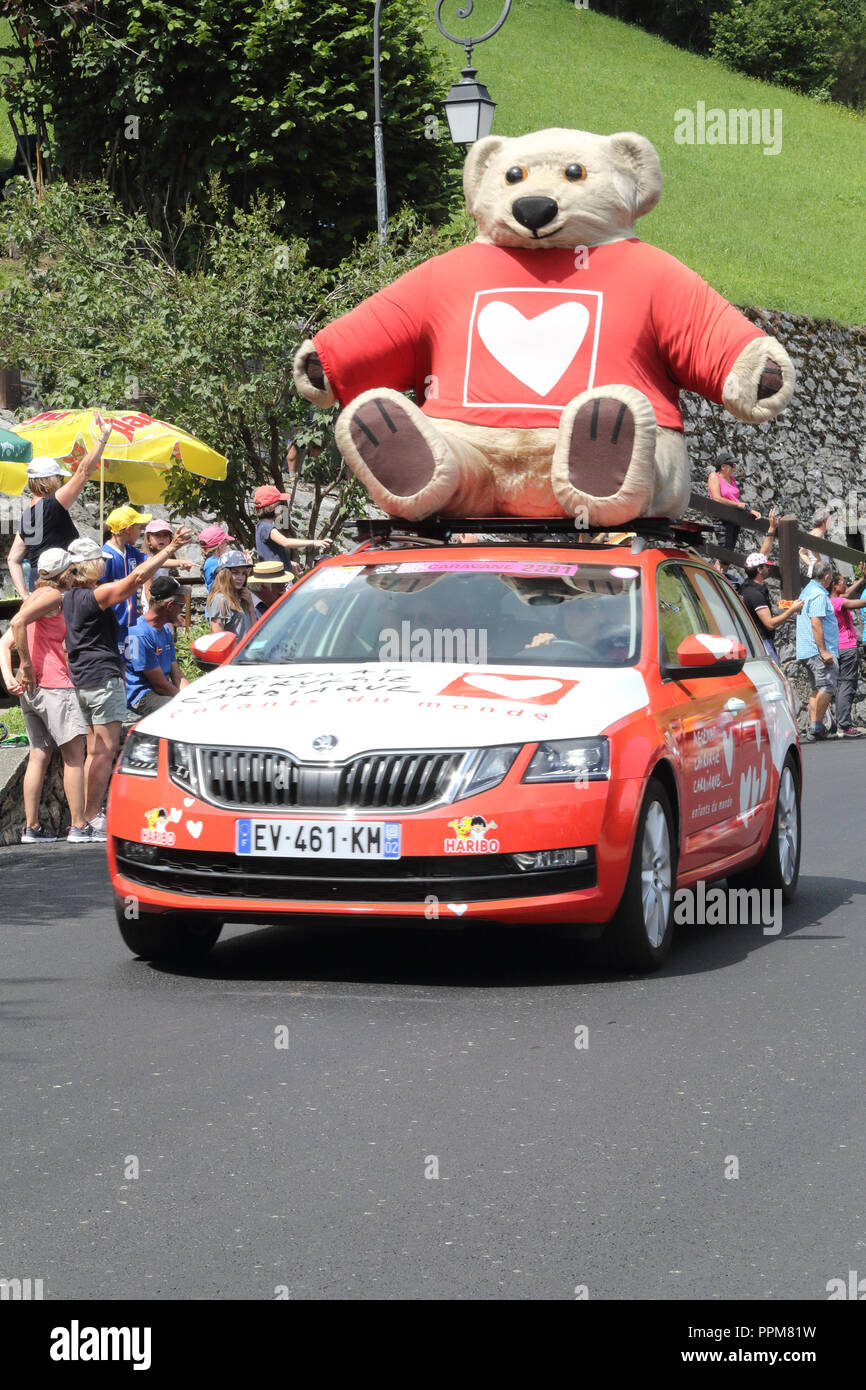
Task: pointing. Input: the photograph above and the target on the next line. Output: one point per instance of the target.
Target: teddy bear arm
(310, 377)
(760, 383)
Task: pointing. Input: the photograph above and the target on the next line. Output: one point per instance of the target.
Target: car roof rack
(645, 532)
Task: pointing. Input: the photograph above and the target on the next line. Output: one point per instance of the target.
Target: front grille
(252, 778)
(408, 880)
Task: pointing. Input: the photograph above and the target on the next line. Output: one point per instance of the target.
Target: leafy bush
(274, 96)
(810, 45)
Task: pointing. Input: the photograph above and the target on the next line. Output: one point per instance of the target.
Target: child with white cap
(46, 524)
(52, 715)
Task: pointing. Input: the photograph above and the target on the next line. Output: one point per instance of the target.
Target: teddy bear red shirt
(504, 337)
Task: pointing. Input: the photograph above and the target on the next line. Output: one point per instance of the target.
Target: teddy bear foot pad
(600, 451)
(392, 447)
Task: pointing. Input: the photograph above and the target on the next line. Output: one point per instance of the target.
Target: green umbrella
(15, 452)
(13, 448)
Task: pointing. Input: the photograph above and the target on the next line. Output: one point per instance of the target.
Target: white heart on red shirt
(537, 351)
(519, 689)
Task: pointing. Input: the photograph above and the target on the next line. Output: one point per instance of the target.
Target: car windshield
(505, 612)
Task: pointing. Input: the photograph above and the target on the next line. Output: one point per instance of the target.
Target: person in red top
(844, 601)
(547, 356)
(49, 704)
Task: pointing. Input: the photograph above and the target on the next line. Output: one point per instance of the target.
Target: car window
(679, 616)
(464, 610)
(719, 618)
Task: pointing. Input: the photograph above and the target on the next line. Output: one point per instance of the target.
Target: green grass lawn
(785, 232)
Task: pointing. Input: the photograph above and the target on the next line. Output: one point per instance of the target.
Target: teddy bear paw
(396, 453)
(604, 460)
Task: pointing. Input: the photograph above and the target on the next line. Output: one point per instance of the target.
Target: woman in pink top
(724, 488)
(843, 601)
(52, 714)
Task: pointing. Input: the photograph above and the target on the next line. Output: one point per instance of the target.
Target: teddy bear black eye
(575, 172)
(516, 174)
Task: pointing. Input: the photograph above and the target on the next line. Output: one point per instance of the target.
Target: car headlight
(485, 769)
(182, 768)
(570, 760)
(140, 755)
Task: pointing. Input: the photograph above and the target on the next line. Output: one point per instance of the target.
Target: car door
(705, 719)
(744, 713)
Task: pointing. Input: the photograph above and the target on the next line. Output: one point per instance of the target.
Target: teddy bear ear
(477, 160)
(641, 159)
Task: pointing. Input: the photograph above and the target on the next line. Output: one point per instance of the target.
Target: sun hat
(159, 523)
(121, 517)
(54, 561)
(45, 467)
(756, 560)
(270, 572)
(233, 560)
(164, 587)
(82, 549)
(213, 535)
(266, 496)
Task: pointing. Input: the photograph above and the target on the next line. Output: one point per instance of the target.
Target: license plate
(313, 839)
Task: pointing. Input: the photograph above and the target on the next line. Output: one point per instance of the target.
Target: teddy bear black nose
(534, 212)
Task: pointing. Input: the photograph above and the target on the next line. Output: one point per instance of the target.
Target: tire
(779, 865)
(639, 934)
(168, 935)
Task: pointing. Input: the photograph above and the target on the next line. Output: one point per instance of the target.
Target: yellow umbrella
(139, 453)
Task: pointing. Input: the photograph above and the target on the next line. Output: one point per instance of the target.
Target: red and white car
(520, 733)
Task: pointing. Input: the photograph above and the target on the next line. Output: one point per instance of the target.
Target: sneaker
(82, 835)
(850, 732)
(97, 831)
(37, 836)
(818, 732)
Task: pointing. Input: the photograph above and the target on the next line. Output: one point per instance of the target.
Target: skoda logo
(324, 741)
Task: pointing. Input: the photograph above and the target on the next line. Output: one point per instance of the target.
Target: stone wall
(815, 453)
(54, 813)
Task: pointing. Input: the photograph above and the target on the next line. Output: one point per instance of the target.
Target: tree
(274, 96)
(801, 44)
(102, 316)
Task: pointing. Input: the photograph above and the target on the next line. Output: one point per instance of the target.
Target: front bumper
(199, 871)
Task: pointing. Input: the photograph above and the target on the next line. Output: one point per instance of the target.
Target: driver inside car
(581, 625)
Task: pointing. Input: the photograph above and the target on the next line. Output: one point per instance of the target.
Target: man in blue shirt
(153, 676)
(818, 644)
(122, 556)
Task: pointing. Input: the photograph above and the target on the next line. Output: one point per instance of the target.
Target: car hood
(382, 706)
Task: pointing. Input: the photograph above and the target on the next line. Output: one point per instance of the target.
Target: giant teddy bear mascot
(547, 356)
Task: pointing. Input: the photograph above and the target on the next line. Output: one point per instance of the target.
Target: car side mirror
(703, 654)
(213, 648)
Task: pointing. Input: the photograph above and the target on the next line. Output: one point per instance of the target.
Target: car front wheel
(640, 932)
(167, 935)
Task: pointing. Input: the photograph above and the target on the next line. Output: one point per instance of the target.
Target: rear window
(495, 611)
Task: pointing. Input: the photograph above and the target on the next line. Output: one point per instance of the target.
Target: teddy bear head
(560, 188)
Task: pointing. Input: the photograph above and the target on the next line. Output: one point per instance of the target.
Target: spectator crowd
(95, 633)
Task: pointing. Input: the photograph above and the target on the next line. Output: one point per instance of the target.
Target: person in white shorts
(52, 715)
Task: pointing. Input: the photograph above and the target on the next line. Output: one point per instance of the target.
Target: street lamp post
(468, 106)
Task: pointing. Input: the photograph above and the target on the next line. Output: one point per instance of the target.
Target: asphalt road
(303, 1168)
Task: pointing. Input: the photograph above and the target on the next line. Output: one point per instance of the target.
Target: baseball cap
(159, 523)
(164, 587)
(45, 467)
(726, 457)
(213, 535)
(756, 560)
(270, 572)
(53, 562)
(232, 560)
(121, 517)
(82, 549)
(266, 496)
